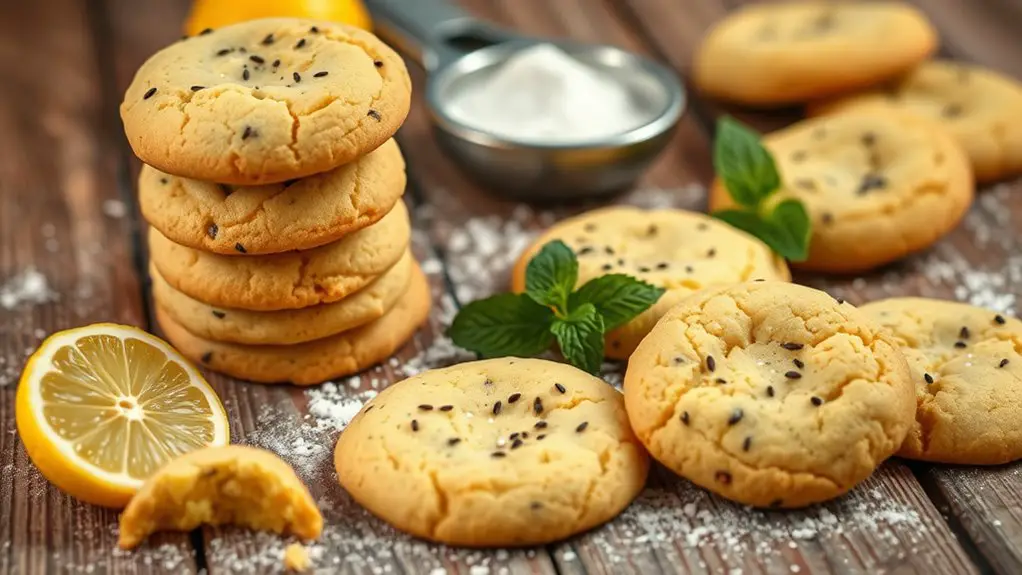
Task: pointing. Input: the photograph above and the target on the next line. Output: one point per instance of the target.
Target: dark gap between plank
(98, 14)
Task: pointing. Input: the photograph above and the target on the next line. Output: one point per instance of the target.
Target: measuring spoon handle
(422, 28)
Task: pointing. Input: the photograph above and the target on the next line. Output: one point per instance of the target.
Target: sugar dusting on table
(27, 287)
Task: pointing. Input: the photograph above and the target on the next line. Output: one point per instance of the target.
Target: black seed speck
(711, 364)
(606, 267)
(148, 93)
(868, 139)
(798, 363)
(770, 391)
(724, 477)
(212, 230)
(535, 505)
(378, 64)
(446, 407)
(585, 250)
(496, 408)
(426, 407)
(314, 30)
(720, 380)
(240, 248)
(268, 40)
(245, 74)
(516, 444)
(644, 270)
(537, 406)
(197, 88)
(513, 436)
(205, 31)
(540, 425)
(960, 344)
(560, 388)
(514, 397)
(963, 333)
(1003, 363)
(816, 401)
(300, 43)
(927, 378)
(498, 454)
(684, 417)
(689, 269)
(415, 425)
(453, 441)
(736, 416)
(276, 63)
(374, 115)
(840, 301)
(871, 182)
(582, 427)
(320, 74)
(793, 375)
(540, 437)
(219, 314)
(207, 357)
(747, 444)
(792, 346)
(297, 77)
(662, 266)
(257, 59)
(999, 319)
(164, 181)
(248, 133)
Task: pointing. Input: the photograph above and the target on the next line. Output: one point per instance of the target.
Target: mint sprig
(552, 310)
(750, 175)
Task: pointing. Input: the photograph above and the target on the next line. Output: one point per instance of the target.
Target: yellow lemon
(100, 408)
(217, 13)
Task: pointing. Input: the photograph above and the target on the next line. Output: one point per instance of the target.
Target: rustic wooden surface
(66, 209)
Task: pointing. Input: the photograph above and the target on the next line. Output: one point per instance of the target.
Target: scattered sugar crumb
(29, 286)
(114, 209)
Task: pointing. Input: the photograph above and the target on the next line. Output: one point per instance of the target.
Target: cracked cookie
(966, 363)
(501, 452)
(232, 484)
(294, 215)
(770, 394)
(265, 101)
(287, 326)
(677, 250)
(878, 186)
(288, 280)
(981, 108)
(787, 53)
(315, 361)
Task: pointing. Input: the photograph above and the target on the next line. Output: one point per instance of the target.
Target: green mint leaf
(792, 223)
(580, 337)
(505, 324)
(617, 297)
(551, 275)
(745, 166)
(792, 244)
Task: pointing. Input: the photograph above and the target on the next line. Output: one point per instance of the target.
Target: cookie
(981, 108)
(285, 281)
(877, 186)
(311, 362)
(289, 326)
(770, 394)
(966, 363)
(674, 249)
(295, 215)
(495, 453)
(232, 484)
(786, 53)
(265, 101)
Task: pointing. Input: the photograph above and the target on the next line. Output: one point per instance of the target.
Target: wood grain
(60, 214)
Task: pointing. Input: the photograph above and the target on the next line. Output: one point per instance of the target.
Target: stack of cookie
(279, 242)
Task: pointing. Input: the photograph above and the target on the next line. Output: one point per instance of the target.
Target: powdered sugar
(29, 287)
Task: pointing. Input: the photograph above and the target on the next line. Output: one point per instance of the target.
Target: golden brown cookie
(265, 101)
(502, 452)
(981, 108)
(677, 250)
(289, 280)
(773, 54)
(966, 362)
(878, 186)
(294, 215)
(232, 484)
(287, 326)
(315, 361)
(770, 394)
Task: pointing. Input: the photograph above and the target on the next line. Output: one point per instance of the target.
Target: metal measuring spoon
(456, 49)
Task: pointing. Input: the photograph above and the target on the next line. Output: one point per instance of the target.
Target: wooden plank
(880, 524)
(61, 218)
(302, 425)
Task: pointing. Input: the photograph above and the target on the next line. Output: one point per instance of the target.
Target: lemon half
(100, 408)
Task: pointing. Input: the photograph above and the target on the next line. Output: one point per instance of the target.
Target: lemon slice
(100, 408)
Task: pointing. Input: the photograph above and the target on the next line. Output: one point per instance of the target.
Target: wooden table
(68, 211)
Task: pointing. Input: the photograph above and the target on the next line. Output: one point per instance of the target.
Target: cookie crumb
(296, 558)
